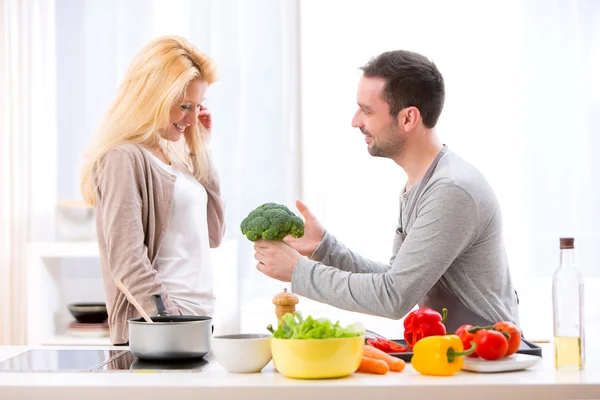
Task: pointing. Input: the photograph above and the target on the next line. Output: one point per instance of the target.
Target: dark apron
(439, 296)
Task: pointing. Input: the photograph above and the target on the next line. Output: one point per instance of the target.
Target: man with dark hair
(448, 248)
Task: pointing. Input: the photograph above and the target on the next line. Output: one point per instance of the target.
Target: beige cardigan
(133, 208)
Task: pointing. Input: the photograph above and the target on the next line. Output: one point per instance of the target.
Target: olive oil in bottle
(567, 304)
(567, 351)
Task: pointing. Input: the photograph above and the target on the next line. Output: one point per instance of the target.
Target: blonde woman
(156, 193)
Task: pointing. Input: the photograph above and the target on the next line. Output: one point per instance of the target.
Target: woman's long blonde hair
(155, 81)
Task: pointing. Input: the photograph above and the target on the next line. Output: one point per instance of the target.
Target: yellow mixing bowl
(317, 358)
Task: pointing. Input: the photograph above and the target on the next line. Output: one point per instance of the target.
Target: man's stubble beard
(390, 149)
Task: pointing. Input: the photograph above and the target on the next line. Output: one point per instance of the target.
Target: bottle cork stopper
(567, 243)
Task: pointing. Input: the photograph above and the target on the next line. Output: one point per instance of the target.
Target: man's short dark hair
(411, 80)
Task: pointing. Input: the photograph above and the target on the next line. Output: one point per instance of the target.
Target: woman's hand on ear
(205, 118)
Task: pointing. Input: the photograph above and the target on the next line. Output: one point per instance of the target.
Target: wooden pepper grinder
(285, 303)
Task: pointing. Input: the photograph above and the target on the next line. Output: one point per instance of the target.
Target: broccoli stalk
(272, 221)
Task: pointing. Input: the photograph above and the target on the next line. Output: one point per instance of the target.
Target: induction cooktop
(55, 360)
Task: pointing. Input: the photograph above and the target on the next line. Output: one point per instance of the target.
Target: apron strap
(423, 183)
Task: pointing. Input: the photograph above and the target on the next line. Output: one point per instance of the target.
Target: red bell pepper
(387, 345)
(422, 323)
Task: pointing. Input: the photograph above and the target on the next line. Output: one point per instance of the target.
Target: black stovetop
(54, 360)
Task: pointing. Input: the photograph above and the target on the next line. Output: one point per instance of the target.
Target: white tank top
(183, 261)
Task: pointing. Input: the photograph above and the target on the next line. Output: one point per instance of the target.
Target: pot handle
(160, 305)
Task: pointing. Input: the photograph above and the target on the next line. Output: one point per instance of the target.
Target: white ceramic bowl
(243, 352)
(75, 220)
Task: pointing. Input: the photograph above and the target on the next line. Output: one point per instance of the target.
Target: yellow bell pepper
(439, 355)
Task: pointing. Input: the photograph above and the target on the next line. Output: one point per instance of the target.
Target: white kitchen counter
(540, 382)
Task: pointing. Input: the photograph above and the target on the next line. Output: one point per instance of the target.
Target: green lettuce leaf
(293, 326)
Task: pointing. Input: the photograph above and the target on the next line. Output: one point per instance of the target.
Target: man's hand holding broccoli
(313, 232)
(281, 238)
(276, 259)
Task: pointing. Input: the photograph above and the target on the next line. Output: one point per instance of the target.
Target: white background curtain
(27, 150)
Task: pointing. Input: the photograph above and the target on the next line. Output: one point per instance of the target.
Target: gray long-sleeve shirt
(453, 256)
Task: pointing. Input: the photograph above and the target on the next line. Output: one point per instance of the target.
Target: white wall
(522, 102)
(84, 89)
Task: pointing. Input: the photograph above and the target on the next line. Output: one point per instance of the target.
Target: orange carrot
(373, 366)
(395, 364)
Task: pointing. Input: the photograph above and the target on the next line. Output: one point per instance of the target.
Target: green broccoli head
(272, 221)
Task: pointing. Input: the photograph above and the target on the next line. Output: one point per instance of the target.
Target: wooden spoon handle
(133, 301)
